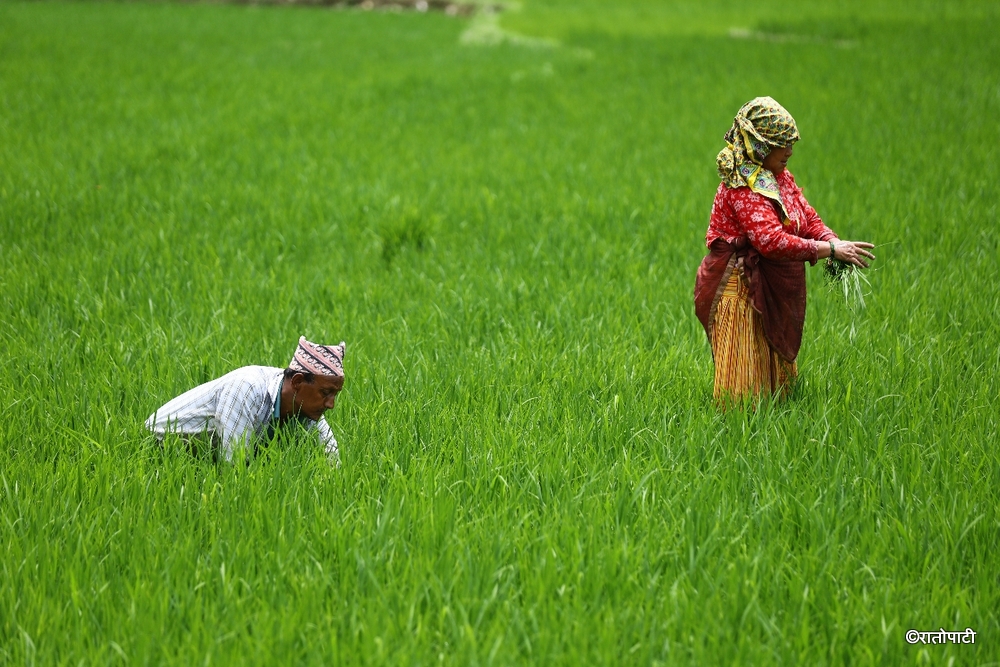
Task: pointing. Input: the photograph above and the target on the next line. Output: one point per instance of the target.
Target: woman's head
(761, 126)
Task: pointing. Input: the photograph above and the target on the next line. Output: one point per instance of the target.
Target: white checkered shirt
(237, 407)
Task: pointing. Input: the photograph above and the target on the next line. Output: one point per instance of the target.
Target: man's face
(312, 399)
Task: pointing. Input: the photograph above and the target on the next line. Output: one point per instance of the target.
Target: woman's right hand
(853, 252)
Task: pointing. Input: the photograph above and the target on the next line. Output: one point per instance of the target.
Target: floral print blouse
(740, 212)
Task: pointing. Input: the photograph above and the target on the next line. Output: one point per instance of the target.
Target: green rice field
(502, 215)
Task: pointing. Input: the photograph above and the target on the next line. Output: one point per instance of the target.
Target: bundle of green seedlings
(849, 279)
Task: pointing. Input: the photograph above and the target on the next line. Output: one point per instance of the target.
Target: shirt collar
(274, 392)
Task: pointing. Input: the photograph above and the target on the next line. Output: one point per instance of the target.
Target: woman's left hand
(853, 252)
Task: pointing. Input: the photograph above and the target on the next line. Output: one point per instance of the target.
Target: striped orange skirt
(745, 364)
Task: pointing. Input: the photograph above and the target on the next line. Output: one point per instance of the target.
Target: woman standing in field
(750, 291)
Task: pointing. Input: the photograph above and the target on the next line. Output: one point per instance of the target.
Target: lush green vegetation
(506, 236)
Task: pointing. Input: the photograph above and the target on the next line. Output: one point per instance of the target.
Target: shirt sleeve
(328, 440)
(763, 228)
(235, 413)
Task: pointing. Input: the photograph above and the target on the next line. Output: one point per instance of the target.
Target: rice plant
(848, 279)
(505, 232)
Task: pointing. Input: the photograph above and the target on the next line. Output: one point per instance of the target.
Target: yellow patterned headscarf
(760, 126)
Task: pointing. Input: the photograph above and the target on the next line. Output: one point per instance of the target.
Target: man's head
(314, 377)
(311, 394)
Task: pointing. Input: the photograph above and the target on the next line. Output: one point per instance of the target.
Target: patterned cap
(318, 359)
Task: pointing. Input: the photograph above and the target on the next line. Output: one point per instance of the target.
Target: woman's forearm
(823, 248)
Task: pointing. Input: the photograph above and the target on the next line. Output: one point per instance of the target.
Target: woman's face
(777, 159)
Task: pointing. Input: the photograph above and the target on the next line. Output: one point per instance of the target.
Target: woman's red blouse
(741, 212)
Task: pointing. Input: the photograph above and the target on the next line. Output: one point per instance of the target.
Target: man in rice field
(245, 406)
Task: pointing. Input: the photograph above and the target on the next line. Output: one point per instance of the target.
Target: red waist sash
(777, 292)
